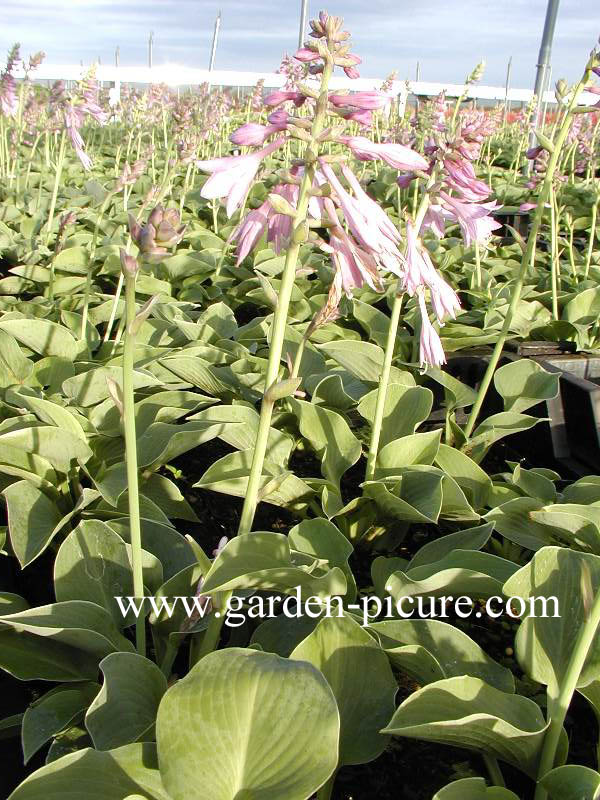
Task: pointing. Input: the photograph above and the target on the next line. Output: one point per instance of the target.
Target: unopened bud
(280, 205)
(280, 389)
(269, 291)
(300, 234)
(115, 393)
(143, 314)
(129, 265)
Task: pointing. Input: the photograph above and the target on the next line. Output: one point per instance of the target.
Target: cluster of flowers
(371, 246)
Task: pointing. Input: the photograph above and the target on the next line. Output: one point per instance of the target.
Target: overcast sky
(447, 37)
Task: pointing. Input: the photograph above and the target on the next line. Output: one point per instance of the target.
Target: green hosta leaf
(50, 373)
(474, 482)
(58, 642)
(282, 634)
(57, 446)
(466, 712)
(418, 448)
(239, 427)
(264, 561)
(497, 427)
(515, 521)
(406, 407)
(278, 486)
(330, 391)
(43, 337)
(244, 746)
(577, 526)
(473, 789)
(329, 435)
(166, 495)
(362, 359)
(416, 497)
(544, 646)
(32, 520)
(52, 713)
(91, 387)
(15, 368)
(197, 372)
(321, 539)
(430, 650)
(462, 572)
(92, 564)
(161, 442)
(345, 653)
(458, 395)
(534, 484)
(20, 464)
(470, 539)
(525, 383)
(170, 547)
(572, 782)
(128, 772)
(48, 412)
(125, 709)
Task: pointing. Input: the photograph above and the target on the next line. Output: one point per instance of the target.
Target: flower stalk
(527, 258)
(130, 268)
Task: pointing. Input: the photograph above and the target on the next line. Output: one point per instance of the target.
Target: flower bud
(129, 264)
(280, 205)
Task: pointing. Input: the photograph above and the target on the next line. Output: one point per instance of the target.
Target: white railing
(176, 75)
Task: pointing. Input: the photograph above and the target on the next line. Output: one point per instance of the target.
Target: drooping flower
(474, 218)
(283, 96)
(249, 231)
(366, 101)
(460, 176)
(73, 120)
(232, 176)
(252, 134)
(355, 265)
(431, 352)
(396, 155)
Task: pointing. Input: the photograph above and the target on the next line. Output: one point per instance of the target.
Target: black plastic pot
(575, 412)
(553, 442)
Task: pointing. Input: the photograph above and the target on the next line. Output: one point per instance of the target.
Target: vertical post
(213, 49)
(302, 28)
(150, 47)
(418, 72)
(507, 89)
(117, 87)
(543, 63)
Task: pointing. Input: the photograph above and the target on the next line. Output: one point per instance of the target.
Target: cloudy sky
(447, 37)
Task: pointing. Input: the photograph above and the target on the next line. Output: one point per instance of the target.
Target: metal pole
(418, 72)
(302, 29)
(117, 55)
(543, 62)
(150, 45)
(213, 50)
(506, 90)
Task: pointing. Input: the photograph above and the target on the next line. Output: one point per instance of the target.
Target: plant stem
(59, 169)
(525, 261)
(493, 768)
(131, 460)
(558, 706)
(387, 360)
(383, 387)
(553, 254)
(280, 319)
(588, 258)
